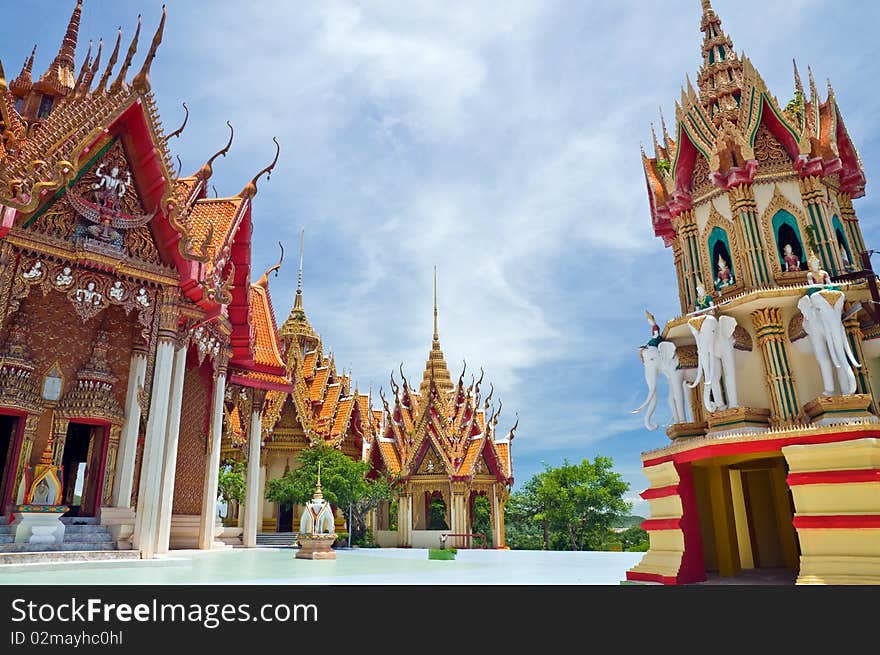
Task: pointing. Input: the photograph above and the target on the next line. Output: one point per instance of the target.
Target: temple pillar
(404, 520)
(771, 335)
(59, 438)
(680, 275)
(264, 504)
(459, 514)
(169, 465)
(692, 274)
(496, 516)
(252, 486)
(851, 224)
(127, 456)
(24, 455)
(212, 466)
(815, 200)
(742, 204)
(110, 464)
(152, 460)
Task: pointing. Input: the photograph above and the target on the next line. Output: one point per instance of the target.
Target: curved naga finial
(250, 189)
(179, 130)
(141, 81)
(207, 170)
(489, 397)
(403, 377)
(394, 387)
(120, 78)
(511, 434)
(102, 85)
(461, 377)
(264, 281)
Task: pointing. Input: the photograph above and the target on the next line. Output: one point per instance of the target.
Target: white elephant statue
(715, 343)
(824, 327)
(663, 359)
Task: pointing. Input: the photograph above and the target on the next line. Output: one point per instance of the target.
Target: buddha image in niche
(723, 274)
(792, 261)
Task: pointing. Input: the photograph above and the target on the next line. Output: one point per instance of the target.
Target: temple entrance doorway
(82, 473)
(8, 425)
(437, 512)
(285, 517)
(746, 510)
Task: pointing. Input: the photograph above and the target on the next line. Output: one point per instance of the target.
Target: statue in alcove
(723, 275)
(792, 261)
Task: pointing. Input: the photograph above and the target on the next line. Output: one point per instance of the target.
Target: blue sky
(497, 141)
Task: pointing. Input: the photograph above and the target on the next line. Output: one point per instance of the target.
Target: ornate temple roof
(719, 127)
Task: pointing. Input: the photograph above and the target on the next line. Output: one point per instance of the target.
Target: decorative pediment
(101, 210)
(432, 463)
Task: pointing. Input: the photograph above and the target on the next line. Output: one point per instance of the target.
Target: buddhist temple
(128, 309)
(440, 440)
(773, 363)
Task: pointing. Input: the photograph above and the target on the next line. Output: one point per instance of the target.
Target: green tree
(572, 507)
(344, 483)
(634, 538)
(231, 481)
(482, 523)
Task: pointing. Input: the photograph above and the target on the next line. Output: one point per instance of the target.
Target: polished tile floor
(355, 566)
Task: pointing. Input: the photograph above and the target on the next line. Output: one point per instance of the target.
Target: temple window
(789, 245)
(45, 106)
(723, 274)
(712, 56)
(721, 53)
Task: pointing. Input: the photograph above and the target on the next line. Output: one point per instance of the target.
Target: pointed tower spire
(102, 85)
(87, 62)
(798, 86)
(721, 76)
(298, 303)
(23, 83)
(436, 371)
(60, 76)
(667, 141)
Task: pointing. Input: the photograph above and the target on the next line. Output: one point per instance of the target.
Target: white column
(124, 481)
(264, 504)
(154, 448)
(252, 493)
(169, 466)
(495, 518)
(212, 466)
(404, 520)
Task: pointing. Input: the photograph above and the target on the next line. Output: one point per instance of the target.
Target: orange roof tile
(475, 447)
(316, 388)
(265, 339)
(346, 405)
(309, 363)
(262, 377)
(330, 400)
(389, 454)
(219, 212)
(504, 457)
(183, 186)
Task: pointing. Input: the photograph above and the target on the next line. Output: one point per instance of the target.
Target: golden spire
(435, 368)
(250, 189)
(119, 82)
(798, 85)
(23, 83)
(141, 81)
(87, 63)
(61, 72)
(110, 64)
(298, 303)
(318, 493)
(720, 77)
(46, 457)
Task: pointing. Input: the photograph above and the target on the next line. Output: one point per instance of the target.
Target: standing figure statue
(792, 261)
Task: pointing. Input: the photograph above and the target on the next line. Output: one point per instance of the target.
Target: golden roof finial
(119, 82)
(264, 281)
(798, 86)
(23, 81)
(206, 171)
(318, 493)
(46, 457)
(87, 62)
(297, 304)
(436, 332)
(250, 189)
(102, 85)
(65, 57)
(141, 81)
(179, 130)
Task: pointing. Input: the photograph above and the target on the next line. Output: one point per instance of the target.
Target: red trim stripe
(770, 445)
(833, 477)
(638, 576)
(840, 521)
(660, 492)
(661, 524)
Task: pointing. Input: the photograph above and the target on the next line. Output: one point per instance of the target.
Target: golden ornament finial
(102, 85)
(179, 130)
(436, 331)
(119, 82)
(264, 281)
(299, 276)
(650, 318)
(250, 189)
(206, 171)
(141, 81)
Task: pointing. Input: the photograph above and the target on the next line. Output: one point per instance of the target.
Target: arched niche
(846, 254)
(721, 260)
(789, 243)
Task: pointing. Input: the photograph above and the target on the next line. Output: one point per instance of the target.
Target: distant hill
(631, 521)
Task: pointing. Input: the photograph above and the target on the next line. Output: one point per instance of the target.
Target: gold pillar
(815, 200)
(742, 204)
(691, 271)
(24, 453)
(680, 274)
(723, 520)
(110, 465)
(864, 383)
(770, 333)
(851, 224)
(59, 436)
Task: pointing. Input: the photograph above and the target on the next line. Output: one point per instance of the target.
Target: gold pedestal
(316, 546)
(685, 430)
(738, 419)
(827, 410)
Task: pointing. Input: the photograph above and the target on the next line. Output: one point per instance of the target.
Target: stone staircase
(277, 539)
(84, 540)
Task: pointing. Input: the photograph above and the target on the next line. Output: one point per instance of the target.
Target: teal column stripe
(783, 392)
(750, 242)
(789, 382)
(759, 251)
